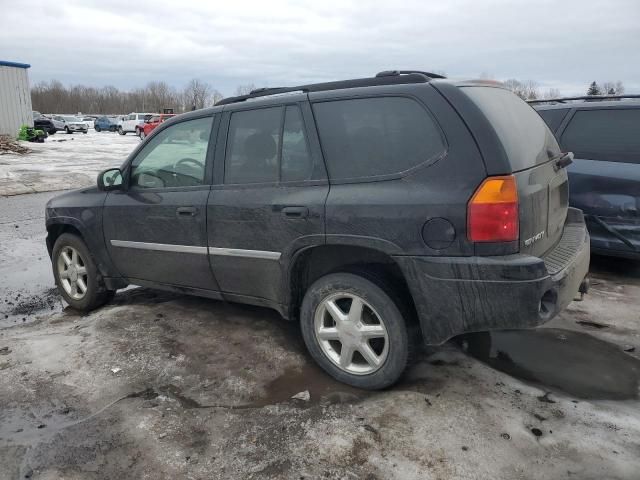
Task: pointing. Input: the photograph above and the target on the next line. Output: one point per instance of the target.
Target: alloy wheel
(72, 272)
(351, 333)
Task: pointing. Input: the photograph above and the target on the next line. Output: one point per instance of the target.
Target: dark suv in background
(378, 212)
(604, 135)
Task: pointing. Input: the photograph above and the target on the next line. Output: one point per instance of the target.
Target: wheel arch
(59, 225)
(57, 228)
(310, 263)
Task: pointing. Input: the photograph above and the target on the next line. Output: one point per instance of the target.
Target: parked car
(604, 135)
(378, 212)
(132, 123)
(89, 121)
(107, 124)
(40, 122)
(69, 124)
(149, 125)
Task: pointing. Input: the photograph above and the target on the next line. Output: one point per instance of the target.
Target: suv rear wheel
(121, 131)
(355, 331)
(76, 274)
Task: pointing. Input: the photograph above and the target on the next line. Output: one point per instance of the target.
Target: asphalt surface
(156, 385)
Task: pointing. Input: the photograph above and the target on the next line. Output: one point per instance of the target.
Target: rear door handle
(295, 212)
(186, 211)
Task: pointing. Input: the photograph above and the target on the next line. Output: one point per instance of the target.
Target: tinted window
(553, 117)
(612, 135)
(252, 146)
(525, 137)
(296, 161)
(175, 157)
(375, 136)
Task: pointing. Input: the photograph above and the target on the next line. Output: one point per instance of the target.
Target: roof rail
(393, 77)
(586, 97)
(393, 73)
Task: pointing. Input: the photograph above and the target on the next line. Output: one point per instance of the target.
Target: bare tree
(613, 88)
(245, 89)
(216, 96)
(551, 93)
(196, 95)
(527, 89)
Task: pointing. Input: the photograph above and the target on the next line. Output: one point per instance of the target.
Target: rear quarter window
(369, 137)
(525, 137)
(611, 135)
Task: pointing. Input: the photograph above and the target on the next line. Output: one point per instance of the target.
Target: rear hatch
(531, 154)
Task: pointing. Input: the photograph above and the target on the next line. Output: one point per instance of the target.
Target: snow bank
(63, 162)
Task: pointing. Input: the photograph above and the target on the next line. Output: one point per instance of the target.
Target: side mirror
(110, 179)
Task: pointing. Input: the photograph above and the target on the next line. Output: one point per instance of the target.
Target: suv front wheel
(354, 331)
(76, 275)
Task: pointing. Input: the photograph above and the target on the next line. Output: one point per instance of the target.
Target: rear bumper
(455, 295)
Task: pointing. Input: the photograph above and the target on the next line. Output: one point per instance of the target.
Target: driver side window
(175, 157)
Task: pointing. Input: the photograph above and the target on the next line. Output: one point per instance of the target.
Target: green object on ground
(30, 134)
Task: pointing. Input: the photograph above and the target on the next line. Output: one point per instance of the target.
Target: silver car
(70, 124)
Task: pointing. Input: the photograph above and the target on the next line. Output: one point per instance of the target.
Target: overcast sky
(561, 44)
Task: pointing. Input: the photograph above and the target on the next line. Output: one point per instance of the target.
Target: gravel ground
(158, 386)
(63, 161)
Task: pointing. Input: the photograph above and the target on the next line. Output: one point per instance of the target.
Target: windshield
(70, 119)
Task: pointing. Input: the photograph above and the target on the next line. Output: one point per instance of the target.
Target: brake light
(492, 212)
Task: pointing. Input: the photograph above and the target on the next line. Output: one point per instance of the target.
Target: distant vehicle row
(58, 123)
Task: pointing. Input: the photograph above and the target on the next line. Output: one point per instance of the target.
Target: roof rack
(586, 97)
(394, 73)
(390, 77)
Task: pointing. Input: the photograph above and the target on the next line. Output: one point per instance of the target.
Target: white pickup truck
(132, 122)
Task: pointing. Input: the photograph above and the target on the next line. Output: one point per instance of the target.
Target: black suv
(604, 134)
(377, 212)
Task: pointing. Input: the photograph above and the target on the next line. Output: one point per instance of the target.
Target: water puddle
(322, 389)
(572, 362)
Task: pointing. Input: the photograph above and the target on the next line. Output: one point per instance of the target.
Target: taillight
(492, 212)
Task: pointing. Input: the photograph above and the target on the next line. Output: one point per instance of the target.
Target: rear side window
(375, 136)
(266, 146)
(252, 146)
(525, 137)
(612, 135)
(553, 117)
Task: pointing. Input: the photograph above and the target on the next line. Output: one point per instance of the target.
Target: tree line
(54, 97)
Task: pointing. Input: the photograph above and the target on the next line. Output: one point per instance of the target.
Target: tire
(121, 131)
(66, 130)
(51, 131)
(97, 128)
(379, 310)
(84, 268)
(142, 135)
(85, 131)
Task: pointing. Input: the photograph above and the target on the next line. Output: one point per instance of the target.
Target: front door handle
(186, 211)
(295, 212)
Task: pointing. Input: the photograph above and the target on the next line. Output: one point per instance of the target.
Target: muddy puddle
(321, 389)
(575, 363)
